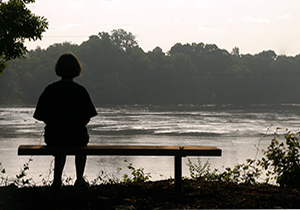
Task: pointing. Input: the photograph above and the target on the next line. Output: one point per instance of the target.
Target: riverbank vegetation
(117, 71)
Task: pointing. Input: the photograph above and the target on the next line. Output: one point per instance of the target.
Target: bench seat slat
(121, 150)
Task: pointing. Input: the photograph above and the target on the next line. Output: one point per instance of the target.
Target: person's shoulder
(78, 85)
(70, 85)
(52, 85)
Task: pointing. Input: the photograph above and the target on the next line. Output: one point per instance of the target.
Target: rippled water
(235, 131)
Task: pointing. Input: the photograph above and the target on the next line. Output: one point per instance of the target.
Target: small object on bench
(177, 151)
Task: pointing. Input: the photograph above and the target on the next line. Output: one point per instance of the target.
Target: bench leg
(178, 173)
(57, 172)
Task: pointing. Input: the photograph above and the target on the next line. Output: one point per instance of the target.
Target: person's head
(67, 66)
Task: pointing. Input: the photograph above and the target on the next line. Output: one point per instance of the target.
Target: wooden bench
(177, 151)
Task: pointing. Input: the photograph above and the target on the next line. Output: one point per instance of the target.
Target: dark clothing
(66, 109)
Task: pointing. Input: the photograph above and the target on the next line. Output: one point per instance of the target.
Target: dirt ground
(152, 195)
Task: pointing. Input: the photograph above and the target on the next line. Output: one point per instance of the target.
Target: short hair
(68, 66)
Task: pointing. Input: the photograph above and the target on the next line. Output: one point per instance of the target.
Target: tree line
(117, 71)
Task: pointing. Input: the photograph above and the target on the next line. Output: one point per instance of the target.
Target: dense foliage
(17, 23)
(282, 160)
(117, 71)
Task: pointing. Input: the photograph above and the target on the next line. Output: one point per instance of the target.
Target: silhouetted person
(66, 108)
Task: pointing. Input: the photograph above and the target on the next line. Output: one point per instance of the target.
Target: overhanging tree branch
(18, 23)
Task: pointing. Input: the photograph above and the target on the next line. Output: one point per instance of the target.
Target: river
(237, 131)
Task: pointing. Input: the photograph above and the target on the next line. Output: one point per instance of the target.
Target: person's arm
(40, 112)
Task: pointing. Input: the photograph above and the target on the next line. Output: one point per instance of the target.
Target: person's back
(66, 108)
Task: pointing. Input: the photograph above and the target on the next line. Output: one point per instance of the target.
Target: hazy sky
(251, 25)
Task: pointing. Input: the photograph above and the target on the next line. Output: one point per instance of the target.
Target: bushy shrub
(137, 175)
(241, 173)
(281, 163)
(282, 160)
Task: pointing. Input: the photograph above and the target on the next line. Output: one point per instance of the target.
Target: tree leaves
(17, 23)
